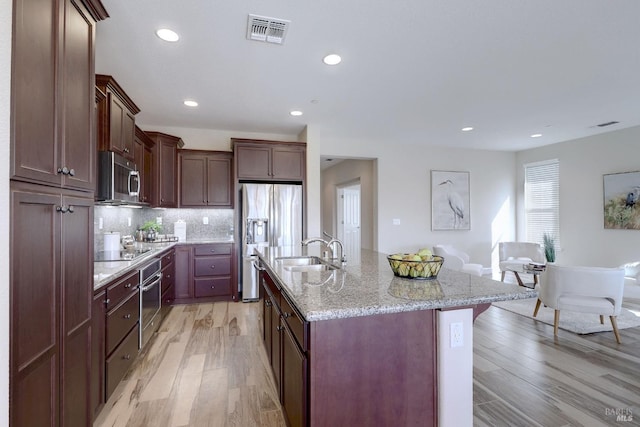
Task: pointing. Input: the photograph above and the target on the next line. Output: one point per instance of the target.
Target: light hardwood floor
(207, 367)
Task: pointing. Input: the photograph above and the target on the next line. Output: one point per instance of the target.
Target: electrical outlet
(457, 335)
(205, 220)
(100, 223)
(128, 221)
(396, 221)
(159, 220)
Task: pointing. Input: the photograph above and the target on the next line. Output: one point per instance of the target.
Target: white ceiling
(413, 70)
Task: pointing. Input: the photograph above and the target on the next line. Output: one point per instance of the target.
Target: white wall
(210, 139)
(403, 181)
(5, 91)
(583, 162)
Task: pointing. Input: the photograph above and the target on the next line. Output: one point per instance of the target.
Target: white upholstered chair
(514, 255)
(457, 260)
(582, 289)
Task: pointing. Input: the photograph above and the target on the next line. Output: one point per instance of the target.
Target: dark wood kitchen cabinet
(52, 93)
(98, 328)
(269, 160)
(285, 337)
(168, 280)
(116, 118)
(51, 211)
(51, 299)
(165, 171)
(143, 158)
(205, 272)
(205, 178)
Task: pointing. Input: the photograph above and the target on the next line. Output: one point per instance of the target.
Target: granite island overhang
(378, 349)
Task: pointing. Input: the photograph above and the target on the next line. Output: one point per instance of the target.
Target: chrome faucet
(342, 258)
(324, 242)
(329, 246)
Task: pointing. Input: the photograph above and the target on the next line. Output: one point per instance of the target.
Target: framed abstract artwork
(450, 198)
(621, 204)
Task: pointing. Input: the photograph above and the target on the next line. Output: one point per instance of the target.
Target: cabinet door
(183, 283)
(78, 141)
(147, 175)
(77, 296)
(193, 180)
(116, 115)
(288, 163)
(33, 92)
(294, 374)
(253, 162)
(276, 346)
(98, 314)
(35, 298)
(168, 175)
(128, 133)
(219, 182)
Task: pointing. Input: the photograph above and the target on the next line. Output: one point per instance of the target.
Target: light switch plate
(457, 335)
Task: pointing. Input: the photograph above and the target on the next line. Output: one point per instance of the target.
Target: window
(542, 200)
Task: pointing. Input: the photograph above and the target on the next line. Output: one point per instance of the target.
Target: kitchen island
(358, 346)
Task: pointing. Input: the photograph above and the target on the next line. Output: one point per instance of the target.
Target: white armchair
(514, 255)
(583, 289)
(457, 260)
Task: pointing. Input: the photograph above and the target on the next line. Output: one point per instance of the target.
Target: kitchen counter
(368, 287)
(105, 271)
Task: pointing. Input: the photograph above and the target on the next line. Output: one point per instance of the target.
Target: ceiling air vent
(270, 30)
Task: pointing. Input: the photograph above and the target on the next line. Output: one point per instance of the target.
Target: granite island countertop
(367, 286)
(105, 271)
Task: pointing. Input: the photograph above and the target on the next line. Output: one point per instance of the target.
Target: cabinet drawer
(120, 290)
(212, 266)
(271, 287)
(168, 278)
(213, 249)
(121, 320)
(167, 258)
(121, 360)
(295, 323)
(212, 287)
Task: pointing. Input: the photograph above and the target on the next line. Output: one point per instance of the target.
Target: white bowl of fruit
(420, 265)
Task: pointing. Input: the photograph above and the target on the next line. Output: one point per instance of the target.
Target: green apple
(396, 256)
(424, 252)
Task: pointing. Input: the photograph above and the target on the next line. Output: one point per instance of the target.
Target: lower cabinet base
(121, 360)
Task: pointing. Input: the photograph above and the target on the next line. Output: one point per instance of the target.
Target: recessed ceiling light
(467, 129)
(190, 103)
(536, 135)
(296, 113)
(332, 59)
(167, 35)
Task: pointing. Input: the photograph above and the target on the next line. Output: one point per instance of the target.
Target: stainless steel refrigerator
(271, 216)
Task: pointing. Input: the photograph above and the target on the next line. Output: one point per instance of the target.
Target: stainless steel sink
(304, 263)
(299, 260)
(310, 267)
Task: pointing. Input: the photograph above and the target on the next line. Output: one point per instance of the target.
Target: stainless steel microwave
(118, 179)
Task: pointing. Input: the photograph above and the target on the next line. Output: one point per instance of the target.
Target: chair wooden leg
(602, 319)
(502, 278)
(614, 323)
(535, 312)
(556, 320)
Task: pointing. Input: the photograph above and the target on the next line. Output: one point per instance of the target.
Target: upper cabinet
(269, 160)
(165, 154)
(53, 92)
(205, 178)
(116, 118)
(143, 158)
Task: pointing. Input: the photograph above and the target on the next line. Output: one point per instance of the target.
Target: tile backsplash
(127, 220)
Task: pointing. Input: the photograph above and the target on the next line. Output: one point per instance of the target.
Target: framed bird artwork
(622, 200)
(450, 200)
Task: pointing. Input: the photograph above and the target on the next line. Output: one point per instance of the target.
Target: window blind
(542, 200)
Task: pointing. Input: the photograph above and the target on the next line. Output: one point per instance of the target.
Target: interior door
(349, 220)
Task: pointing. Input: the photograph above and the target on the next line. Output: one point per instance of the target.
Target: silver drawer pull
(127, 357)
(286, 315)
(213, 250)
(213, 286)
(127, 316)
(213, 266)
(128, 285)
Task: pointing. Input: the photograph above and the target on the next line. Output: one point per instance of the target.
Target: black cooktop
(123, 255)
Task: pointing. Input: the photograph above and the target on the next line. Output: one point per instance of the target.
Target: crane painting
(450, 200)
(622, 200)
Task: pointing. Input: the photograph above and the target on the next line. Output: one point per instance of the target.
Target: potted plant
(549, 247)
(151, 229)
